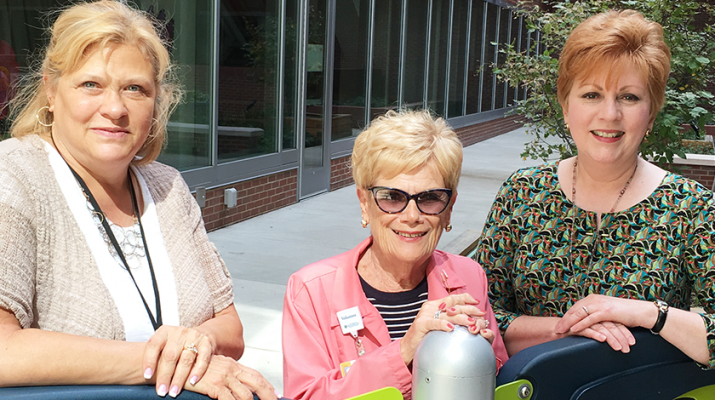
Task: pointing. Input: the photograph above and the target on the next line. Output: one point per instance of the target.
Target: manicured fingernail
(162, 391)
(194, 379)
(452, 309)
(148, 373)
(450, 326)
(174, 391)
(442, 306)
(484, 331)
(470, 319)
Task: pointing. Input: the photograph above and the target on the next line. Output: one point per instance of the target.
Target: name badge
(350, 320)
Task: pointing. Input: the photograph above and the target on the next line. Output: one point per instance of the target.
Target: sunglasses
(393, 201)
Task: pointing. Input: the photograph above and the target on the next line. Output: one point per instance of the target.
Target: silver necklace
(575, 208)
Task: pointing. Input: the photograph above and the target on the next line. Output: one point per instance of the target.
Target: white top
(137, 325)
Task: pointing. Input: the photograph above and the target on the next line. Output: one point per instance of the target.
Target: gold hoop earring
(363, 223)
(647, 133)
(39, 120)
(448, 228)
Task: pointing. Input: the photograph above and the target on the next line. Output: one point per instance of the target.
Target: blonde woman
(106, 272)
(394, 287)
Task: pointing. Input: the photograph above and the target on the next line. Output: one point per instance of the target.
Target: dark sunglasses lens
(390, 200)
(433, 202)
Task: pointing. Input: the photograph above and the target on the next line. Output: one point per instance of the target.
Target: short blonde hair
(82, 29)
(400, 142)
(616, 38)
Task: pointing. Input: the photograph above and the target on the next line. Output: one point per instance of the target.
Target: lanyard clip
(358, 344)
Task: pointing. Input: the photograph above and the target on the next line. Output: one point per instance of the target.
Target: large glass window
(386, 56)
(351, 40)
(476, 57)
(247, 79)
(456, 70)
(415, 47)
(438, 56)
(492, 20)
(290, 76)
(188, 31)
(504, 30)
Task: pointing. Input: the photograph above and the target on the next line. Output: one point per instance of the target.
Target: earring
(567, 127)
(448, 228)
(363, 223)
(40, 120)
(647, 133)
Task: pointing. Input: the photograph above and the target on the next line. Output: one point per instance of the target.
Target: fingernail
(452, 309)
(472, 328)
(484, 331)
(470, 319)
(174, 391)
(450, 326)
(442, 306)
(194, 379)
(162, 391)
(148, 373)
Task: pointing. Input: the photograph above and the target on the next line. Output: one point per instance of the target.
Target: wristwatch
(662, 315)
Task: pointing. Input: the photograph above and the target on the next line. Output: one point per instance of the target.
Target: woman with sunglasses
(352, 323)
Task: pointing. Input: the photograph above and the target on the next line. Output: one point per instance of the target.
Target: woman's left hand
(605, 318)
(176, 355)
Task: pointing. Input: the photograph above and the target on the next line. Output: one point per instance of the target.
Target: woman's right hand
(226, 379)
(457, 309)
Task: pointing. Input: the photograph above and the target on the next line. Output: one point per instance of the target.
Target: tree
(692, 46)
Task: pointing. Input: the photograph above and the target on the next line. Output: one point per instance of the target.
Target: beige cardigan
(48, 277)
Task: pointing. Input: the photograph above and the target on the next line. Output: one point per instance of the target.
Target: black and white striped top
(398, 310)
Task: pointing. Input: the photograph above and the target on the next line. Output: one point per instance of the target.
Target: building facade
(277, 90)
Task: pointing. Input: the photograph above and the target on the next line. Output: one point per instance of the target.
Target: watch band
(662, 315)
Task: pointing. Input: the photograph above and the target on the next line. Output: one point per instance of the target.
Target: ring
(586, 309)
(486, 323)
(192, 347)
(436, 315)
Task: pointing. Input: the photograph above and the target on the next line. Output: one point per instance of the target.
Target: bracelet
(662, 315)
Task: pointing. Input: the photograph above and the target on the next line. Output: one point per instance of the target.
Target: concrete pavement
(263, 252)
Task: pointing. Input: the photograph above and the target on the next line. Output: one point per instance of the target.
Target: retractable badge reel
(350, 321)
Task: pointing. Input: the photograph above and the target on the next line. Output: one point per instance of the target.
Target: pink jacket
(314, 345)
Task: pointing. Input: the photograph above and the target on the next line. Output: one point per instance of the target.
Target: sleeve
(700, 256)
(308, 368)
(495, 253)
(18, 250)
(217, 275)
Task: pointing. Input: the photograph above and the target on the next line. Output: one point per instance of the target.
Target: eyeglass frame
(411, 197)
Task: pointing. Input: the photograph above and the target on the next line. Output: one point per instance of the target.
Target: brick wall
(255, 197)
(697, 167)
(341, 174)
(486, 130)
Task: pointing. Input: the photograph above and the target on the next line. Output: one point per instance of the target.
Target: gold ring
(192, 347)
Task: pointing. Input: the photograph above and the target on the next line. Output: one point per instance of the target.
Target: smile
(410, 235)
(608, 134)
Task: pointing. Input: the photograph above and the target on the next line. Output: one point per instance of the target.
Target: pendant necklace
(157, 321)
(575, 207)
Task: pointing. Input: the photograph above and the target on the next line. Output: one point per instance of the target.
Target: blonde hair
(401, 142)
(82, 29)
(616, 39)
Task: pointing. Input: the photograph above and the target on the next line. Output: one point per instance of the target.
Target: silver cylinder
(454, 365)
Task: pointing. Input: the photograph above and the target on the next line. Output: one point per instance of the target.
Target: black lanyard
(155, 322)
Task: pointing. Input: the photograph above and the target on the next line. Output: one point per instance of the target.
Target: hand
(168, 354)
(457, 309)
(226, 379)
(602, 318)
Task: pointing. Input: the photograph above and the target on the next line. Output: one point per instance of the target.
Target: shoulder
(162, 179)
(14, 149)
(682, 191)
(545, 175)
(320, 274)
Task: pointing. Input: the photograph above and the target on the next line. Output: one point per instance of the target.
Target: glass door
(314, 146)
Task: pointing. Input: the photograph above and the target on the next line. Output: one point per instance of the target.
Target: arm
(309, 368)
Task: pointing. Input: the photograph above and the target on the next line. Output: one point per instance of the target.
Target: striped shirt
(398, 310)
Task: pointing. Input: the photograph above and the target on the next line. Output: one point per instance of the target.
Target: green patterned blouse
(542, 253)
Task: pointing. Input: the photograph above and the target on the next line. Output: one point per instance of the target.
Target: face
(103, 111)
(408, 236)
(608, 123)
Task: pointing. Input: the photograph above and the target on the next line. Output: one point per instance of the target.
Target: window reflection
(247, 89)
(386, 57)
